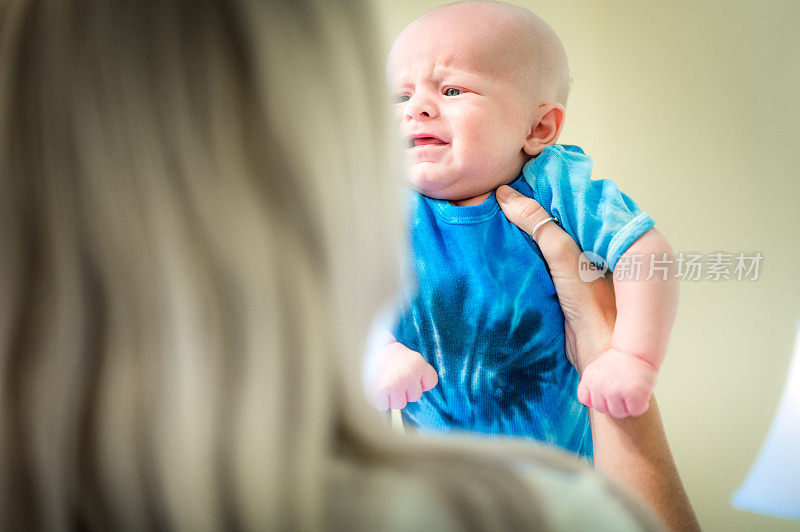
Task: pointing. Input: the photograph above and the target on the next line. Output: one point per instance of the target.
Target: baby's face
(462, 107)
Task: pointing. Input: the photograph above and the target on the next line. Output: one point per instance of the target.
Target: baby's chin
(433, 191)
(435, 186)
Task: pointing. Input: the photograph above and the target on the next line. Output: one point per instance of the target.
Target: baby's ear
(546, 128)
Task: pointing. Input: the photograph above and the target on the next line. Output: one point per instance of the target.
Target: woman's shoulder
(541, 491)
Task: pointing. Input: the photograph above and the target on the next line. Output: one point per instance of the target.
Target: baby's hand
(400, 377)
(617, 383)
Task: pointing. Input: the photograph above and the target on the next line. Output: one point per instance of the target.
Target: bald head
(516, 42)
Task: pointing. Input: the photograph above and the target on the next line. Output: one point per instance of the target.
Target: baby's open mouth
(425, 141)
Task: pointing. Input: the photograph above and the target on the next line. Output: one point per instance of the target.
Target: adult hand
(588, 307)
(634, 450)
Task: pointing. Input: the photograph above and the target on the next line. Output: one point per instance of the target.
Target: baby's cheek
(479, 150)
(491, 142)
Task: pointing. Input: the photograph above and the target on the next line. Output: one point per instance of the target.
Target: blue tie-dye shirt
(484, 313)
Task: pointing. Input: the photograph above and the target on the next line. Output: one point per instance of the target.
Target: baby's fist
(617, 383)
(400, 377)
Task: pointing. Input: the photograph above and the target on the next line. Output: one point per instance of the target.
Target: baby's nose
(419, 106)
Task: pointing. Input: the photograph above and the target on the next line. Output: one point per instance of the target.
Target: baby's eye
(452, 91)
(400, 98)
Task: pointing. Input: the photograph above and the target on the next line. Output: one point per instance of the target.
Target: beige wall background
(693, 109)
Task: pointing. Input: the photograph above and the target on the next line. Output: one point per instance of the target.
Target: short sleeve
(600, 217)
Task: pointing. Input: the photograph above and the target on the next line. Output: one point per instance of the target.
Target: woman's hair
(199, 217)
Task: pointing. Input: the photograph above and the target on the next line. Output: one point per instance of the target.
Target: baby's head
(479, 88)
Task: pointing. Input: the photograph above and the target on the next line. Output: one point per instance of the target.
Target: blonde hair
(199, 217)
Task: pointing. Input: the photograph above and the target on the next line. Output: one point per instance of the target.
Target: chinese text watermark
(717, 266)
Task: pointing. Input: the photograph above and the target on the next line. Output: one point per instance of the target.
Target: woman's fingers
(523, 211)
(588, 306)
(558, 248)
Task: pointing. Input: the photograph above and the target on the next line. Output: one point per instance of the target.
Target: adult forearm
(634, 452)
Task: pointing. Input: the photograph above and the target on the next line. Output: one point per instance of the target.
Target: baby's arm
(399, 376)
(622, 379)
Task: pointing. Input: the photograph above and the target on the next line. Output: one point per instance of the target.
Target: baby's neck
(477, 200)
(480, 198)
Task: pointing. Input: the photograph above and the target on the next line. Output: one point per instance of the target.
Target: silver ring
(551, 219)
